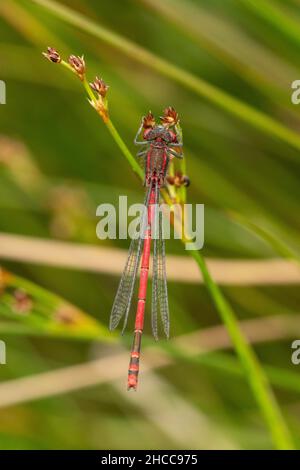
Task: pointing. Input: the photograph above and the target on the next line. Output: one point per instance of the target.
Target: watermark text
(2, 92)
(2, 352)
(295, 358)
(131, 222)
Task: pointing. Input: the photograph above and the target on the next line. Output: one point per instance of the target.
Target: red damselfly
(160, 142)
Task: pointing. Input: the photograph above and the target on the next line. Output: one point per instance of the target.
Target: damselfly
(160, 143)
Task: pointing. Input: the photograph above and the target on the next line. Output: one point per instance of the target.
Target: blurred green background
(58, 163)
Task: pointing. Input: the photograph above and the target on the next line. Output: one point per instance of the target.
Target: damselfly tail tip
(132, 383)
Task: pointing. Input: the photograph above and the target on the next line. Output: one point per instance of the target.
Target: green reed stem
(256, 376)
(124, 149)
(278, 245)
(277, 17)
(88, 89)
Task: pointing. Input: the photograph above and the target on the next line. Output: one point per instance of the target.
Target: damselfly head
(159, 132)
(170, 117)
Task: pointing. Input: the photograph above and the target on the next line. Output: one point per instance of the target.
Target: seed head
(78, 65)
(170, 117)
(22, 301)
(66, 315)
(179, 180)
(52, 55)
(148, 121)
(99, 86)
(186, 181)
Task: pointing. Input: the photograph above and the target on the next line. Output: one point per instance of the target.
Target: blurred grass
(232, 166)
(225, 101)
(280, 18)
(29, 309)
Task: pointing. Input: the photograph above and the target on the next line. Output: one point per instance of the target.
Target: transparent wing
(162, 285)
(159, 283)
(154, 300)
(122, 302)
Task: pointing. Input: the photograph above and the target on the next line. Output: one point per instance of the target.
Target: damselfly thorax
(158, 154)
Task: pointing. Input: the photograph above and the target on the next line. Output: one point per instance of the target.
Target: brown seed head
(148, 121)
(186, 181)
(52, 55)
(179, 180)
(170, 180)
(100, 87)
(22, 301)
(170, 117)
(78, 65)
(66, 315)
